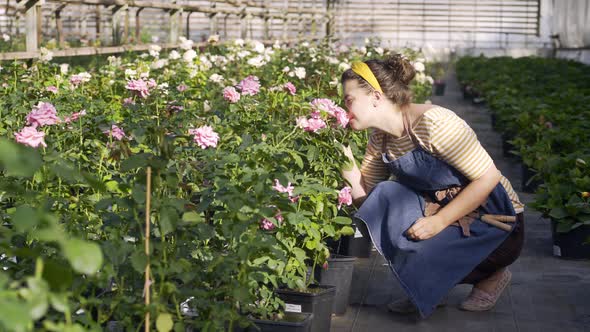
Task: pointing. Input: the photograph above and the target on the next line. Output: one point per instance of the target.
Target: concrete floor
(546, 294)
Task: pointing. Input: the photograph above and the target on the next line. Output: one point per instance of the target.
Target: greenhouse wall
(509, 27)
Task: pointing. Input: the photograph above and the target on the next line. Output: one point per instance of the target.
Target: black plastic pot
(357, 245)
(338, 273)
(319, 303)
(528, 183)
(467, 94)
(292, 322)
(439, 88)
(571, 244)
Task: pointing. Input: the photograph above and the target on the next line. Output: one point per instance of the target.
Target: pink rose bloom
(128, 101)
(116, 132)
(204, 136)
(266, 224)
(314, 125)
(279, 217)
(344, 196)
(141, 87)
(51, 89)
(31, 137)
(322, 104)
(249, 85)
(279, 187)
(230, 94)
(44, 114)
(75, 116)
(290, 88)
(181, 87)
(341, 117)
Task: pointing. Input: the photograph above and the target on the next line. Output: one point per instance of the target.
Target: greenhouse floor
(547, 293)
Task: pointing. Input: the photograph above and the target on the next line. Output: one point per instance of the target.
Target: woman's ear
(377, 96)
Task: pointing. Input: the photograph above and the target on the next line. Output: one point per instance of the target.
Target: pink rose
(312, 124)
(290, 88)
(230, 94)
(75, 116)
(280, 188)
(344, 196)
(141, 87)
(31, 137)
(266, 224)
(44, 114)
(204, 136)
(181, 87)
(341, 117)
(52, 89)
(116, 132)
(322, 104)
(249, 85)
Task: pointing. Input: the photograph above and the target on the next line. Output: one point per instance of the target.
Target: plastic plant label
(357, 233)
(556, 251)
(292, 307)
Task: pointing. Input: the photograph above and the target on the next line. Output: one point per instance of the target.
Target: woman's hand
(425, 228)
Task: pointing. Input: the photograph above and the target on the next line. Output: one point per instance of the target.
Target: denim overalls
(427, 269)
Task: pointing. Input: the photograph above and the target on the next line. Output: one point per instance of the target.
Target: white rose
(300, 72)
(419, 67)
(189, 55)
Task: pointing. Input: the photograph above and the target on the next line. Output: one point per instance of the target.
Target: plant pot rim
(326, 290)
(306, 316)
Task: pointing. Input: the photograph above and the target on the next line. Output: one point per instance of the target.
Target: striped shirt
(443, 134)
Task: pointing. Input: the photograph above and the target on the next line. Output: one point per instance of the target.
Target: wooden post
(300, 25)
(137, 26)
(32, 23)
(126, 28)
(188, 25)
(59, 25)
(285, 20)
(98, 19)
(213, 25)
(243, 23)
(116, 12)
(267, 20)
(174, 26)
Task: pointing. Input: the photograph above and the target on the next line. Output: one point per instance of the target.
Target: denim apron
(427, 270)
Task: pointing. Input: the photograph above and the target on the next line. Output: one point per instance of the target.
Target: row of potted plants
(540, 106)
(243, 143)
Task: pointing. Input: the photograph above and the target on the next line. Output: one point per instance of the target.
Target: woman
(443, 178)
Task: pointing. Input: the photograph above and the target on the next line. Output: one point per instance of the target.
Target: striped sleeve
(373, 169)
(453, 141)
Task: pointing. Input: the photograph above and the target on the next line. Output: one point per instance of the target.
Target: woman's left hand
(425, 228)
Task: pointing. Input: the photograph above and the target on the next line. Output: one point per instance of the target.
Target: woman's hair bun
(401, 68)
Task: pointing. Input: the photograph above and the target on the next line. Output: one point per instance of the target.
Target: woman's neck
(392, 121)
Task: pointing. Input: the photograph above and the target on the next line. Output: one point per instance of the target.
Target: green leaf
(59, 302)
(297, 159)
(558, 213)
(168, 219)
(85, 257)
(15, 315)
(135, 161)
(346, 230)
(139, 261)
(342, 220)
(164, 323)
(192, 217)
(25, 218)
(18, 160)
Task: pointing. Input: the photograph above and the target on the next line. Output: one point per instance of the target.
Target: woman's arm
(472, 196)
(353, 176)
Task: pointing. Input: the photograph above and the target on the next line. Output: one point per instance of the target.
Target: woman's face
(358, 103)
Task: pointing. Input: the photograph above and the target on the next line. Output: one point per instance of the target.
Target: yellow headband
(361, 69)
